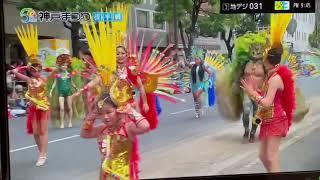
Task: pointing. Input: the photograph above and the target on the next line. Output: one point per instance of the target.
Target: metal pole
(175, 23)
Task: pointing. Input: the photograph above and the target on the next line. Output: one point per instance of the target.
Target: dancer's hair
(63, 59)
(274, 55)
(123, 48)
(194, 73)
(106, 99)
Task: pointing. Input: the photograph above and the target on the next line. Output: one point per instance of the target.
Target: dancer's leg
(246, 117)
(254, 124)
(196, 104)
(69, 101)
(36, 132)
(272, 154)
(61, 105)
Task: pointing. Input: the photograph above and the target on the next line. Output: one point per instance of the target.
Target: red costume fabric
(35, 114)
(277, 119)
(151, 115)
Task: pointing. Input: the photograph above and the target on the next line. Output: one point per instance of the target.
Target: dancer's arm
(96, 81)
(87, 128)
(140, 127)
(274, 84)
(74, 85)
(139, 124)
(143, 95)
(207, 70)
(52, 88)
(19, 75)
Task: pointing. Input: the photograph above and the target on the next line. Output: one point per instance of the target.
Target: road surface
(181, 146)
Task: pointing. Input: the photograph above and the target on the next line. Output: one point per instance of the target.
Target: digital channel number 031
(255, 6)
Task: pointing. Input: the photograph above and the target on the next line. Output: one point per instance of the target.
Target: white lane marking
(179, 112)
(57, 140)
(186, 110)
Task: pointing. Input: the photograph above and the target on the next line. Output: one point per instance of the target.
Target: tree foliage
(314, 39)
(187, 16)
(231, 25)
(210, 23)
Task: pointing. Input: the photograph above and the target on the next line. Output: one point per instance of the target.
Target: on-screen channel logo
(281, 5)
(28, 15)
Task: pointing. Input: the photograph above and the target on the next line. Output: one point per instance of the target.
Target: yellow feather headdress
(278, 27)
(103, 45)
(103, 49)
(29, 39)
(120, 27)
(279, 23)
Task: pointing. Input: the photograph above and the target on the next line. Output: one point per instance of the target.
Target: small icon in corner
(28, 15)
(281, 5)
(225, 7)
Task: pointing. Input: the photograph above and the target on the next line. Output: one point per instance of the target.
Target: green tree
(187, 16)
(230, 26)
(314, 39)
(72, 6)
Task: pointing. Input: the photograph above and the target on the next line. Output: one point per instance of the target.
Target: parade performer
(276, 99)
(215, 62)
(89, 73)
(198, 79)
(150, 74)
(232, 102)
(115, 136)
(64, 83)
(39, 106)
(103, 47)
(65, 78)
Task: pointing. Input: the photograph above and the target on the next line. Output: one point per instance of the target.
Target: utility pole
(175, 22)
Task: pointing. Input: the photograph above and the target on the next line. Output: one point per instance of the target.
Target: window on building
(144, 1)
(158, 25)
(151, 2)
(143, 19)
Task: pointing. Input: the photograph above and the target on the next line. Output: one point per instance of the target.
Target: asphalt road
(70, 157)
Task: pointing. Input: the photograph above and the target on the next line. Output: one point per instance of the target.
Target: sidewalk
(219, 152)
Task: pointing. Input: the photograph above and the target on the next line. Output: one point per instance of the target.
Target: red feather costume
(277, 119)
(151, 115)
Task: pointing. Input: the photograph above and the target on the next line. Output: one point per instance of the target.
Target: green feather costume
(229, 94)
(78, 104)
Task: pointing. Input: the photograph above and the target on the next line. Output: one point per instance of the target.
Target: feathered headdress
(103, 45)
(120, 27)
(215, 60)
(197, 53)
(29, 39)
(278, 26)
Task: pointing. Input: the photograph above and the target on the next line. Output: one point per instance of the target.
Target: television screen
(149, 89)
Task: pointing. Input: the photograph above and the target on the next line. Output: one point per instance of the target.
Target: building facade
(142, 20)
(305, 26)
(12, 19)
